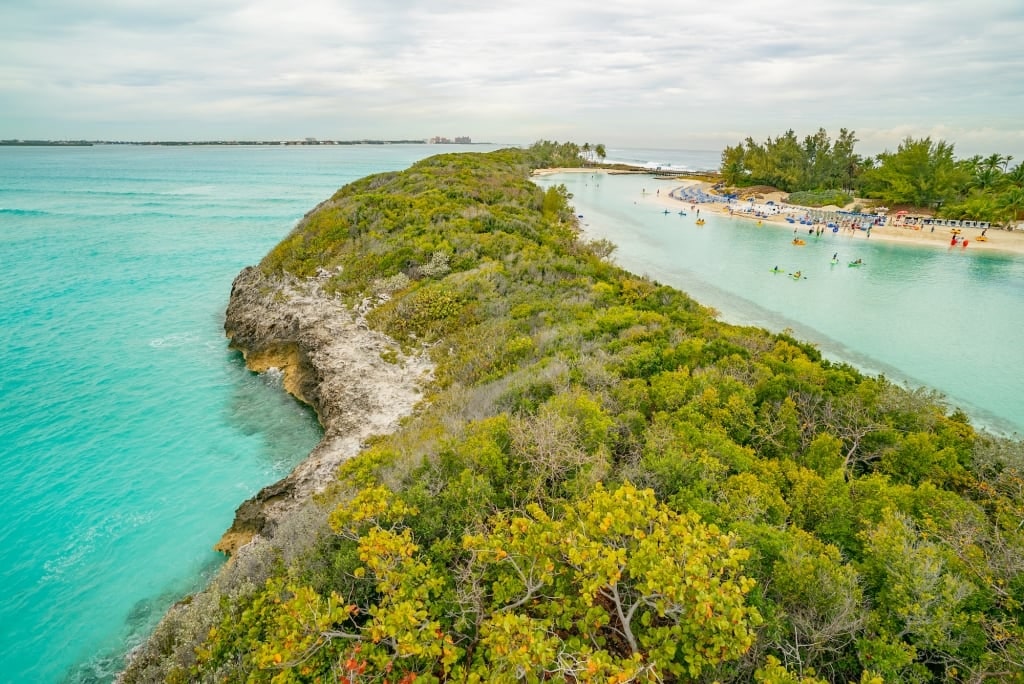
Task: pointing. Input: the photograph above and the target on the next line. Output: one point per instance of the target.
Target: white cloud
(644, 73)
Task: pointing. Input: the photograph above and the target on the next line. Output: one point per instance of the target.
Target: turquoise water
(949, 319)
(128, 432)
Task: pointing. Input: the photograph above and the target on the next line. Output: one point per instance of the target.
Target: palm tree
(1011, 204)
(1016, 176)
(586, 151)
(986, 177)
(600, 151)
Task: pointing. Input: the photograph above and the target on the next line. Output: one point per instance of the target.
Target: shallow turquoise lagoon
(128, 432)
(949, 319)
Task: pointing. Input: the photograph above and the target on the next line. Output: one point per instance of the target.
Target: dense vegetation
(920, 173)
(820, 198)
(608, 485)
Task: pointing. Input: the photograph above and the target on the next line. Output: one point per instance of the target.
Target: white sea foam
(174, 340)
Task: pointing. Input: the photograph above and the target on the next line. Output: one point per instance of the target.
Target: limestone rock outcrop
(332, 361)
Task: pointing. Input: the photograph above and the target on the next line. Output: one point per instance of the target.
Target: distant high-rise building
(441, 140)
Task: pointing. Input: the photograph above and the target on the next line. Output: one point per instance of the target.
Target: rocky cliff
(330, 360)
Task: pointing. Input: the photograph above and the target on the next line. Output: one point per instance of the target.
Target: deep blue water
(948, 319)
(129, 433)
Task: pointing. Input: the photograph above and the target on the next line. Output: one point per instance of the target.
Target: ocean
(129, 433)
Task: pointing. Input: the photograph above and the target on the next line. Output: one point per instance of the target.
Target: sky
(677, 75)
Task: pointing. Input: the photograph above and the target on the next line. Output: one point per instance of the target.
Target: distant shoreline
(229, 143)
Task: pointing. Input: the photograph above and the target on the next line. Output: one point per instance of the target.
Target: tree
(919, 596)
(1015, 177)
(733, 169)
(822, 601)
(1011, 205)
(921, 172)
(846, 164)
(599, 150)
(619, 581)
(997, 162)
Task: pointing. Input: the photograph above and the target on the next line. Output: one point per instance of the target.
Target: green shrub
(819, 198)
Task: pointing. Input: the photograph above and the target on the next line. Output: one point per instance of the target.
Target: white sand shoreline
(998, 240)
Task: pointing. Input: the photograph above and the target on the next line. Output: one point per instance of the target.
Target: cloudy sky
(661, 74)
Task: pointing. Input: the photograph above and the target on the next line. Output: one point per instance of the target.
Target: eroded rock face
(330, 360)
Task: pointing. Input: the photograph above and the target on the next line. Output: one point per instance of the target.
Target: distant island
(460, 140)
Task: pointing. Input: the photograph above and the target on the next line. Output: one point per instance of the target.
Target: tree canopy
(609, 485)
(921, 173)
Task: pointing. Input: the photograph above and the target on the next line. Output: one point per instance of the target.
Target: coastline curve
(332, 361)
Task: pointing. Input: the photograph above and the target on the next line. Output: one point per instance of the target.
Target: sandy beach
(998, 240)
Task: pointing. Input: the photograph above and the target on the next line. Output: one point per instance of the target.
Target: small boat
(759, 223)
(665, 212)
(682, 213)
(798, 241)
(855, 264)
(700, 222)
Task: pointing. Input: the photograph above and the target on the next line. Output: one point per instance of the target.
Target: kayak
(854, 264)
